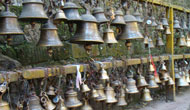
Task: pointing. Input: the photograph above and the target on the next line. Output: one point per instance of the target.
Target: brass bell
(121, 98)
(85, 88)
(119, 19)
(146, 95)
(168, 32)
(176, 24)
(160, 26)
(71, 99)
(182, 82)
(187, 76)
(61, 105)
(165, 76)
(141, 82)
(3, 104)
(152, 82)
(116, 83)
(98, 13)
(100, 91)
(176, 71)
(137, 15)
(163, 67)
(130, 30)
(109, 37)
(181, 41)
(34, 102)
(48, 105)
(59, 16)
(71, 11)
(188, 40)
(110, 94)
(159, 42)
(157, 79)
(170, 81)
(131, 85)
(86, 106)
(94, 93)
(51, 91)
(104, 74)
(164, 21)
(87, 31)
(184, 25)
(151, 68)
(9, 24)
(150, 43)
(146, 40)
(49, 36)
(154, 24)
(33, 11)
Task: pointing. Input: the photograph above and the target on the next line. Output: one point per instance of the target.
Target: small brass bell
(170, 81)
(51, 91)
(85, 88)
(119, 19)
(160, 26)
(131, 85)
(188, 40)
(152, 82)
(116, 83)
(71, 11)
(34, 102)
(47, 102)
(163, 67)
(104, 74)
(110, 94)
(176, 24)
(184, 25)
(154, 24)
(100, 91)
(165, 22)
(157, 79)
(181, 41)
(130, 30)
(182, 82)
(141, 82)
(94, 93)
(9, 24)
(61, 105)
(33, 11)
(98, 13)
(150, 43)
(146, 40)
(121, 98)
(109, 37)
(168, 32)
(3, 104)
(146, 95)
(71, 99)
(159, 42)
(151, 68)
(137, 15)
(86, 106)
(49, 36)
(59, 16)
(176, 71)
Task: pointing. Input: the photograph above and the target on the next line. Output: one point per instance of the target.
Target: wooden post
(170, 50)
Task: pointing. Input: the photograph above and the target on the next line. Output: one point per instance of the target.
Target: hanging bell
(71, 99)
(182, 82)
(61, 105)
(34, 102)
(141, 82)
(51, 91)
(176, 71)
(181, 41)
(9, 24)
(48, 105)
(33, 11)
(170, 81)
(146, 95)
(160, 26)
(94, 93)
(152, 82)
(176, 24)
(119, 19)
(154, 24)
(49, 36)
(159, 42)
(188, 40)
(59, 16)
(150, 43)
(104, 74)
(165, 76)
(130, 30)
(109, 37)
(165, 22)
(98, 13)
(187, 76)
(163, 67)
(100, 91)
(168, 32)
(137, 15)
(184, 25)
(87, 31)
(85, 88)
(3, 104)
(71, 11)
(157, 79)
(146, 40)
(110, 94)
(121, 98)
(131, 85)
(86, 106)
(151, 68)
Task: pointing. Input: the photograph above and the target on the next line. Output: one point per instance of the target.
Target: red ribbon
(152, 61)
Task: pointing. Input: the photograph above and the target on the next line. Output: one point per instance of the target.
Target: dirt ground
(182, 103)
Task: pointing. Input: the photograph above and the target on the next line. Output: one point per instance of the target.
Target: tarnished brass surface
(121, 98)
(181, 41)
(168, 31)
(110, 94)
(98, 13)
(100, 91)
(86, 106)
(159, 42)
(146, 95)
(141, 82)
(119, 18)
(34, 102)
(165, 22)
(176, 24)
(152, 83)
(131, 86)
(109, 36)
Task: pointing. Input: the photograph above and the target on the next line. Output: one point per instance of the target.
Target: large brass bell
(164, 21)
(71, 99)
(86, 106)
(3, 104)
(168, 32)
(176, 24)
(71, 11)
(100, 91)
(98, 13)
(152, 83)
(137, 15)
(121, 98)
(130, 30)
(49, 36)
(170, 81)
(131, 85)
(47, 103)
(150, 43)
(154, 24)
(109, 37)
(34, 102)
(119, 19)
(181, 82)
(33, 11)
(160, 26)
(110, 94)
(9, 24)
(181, 41)
(85, 88)
(141, 82)
(184, 25)
(87, 31)
(159, 42)
(59, 16)
(51, 91)
(61, 105)
(146, 95)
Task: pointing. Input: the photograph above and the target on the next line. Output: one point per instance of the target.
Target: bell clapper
(128, 44)
(88, 48)
(9, 39)
(50, 51)
(32, 23)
